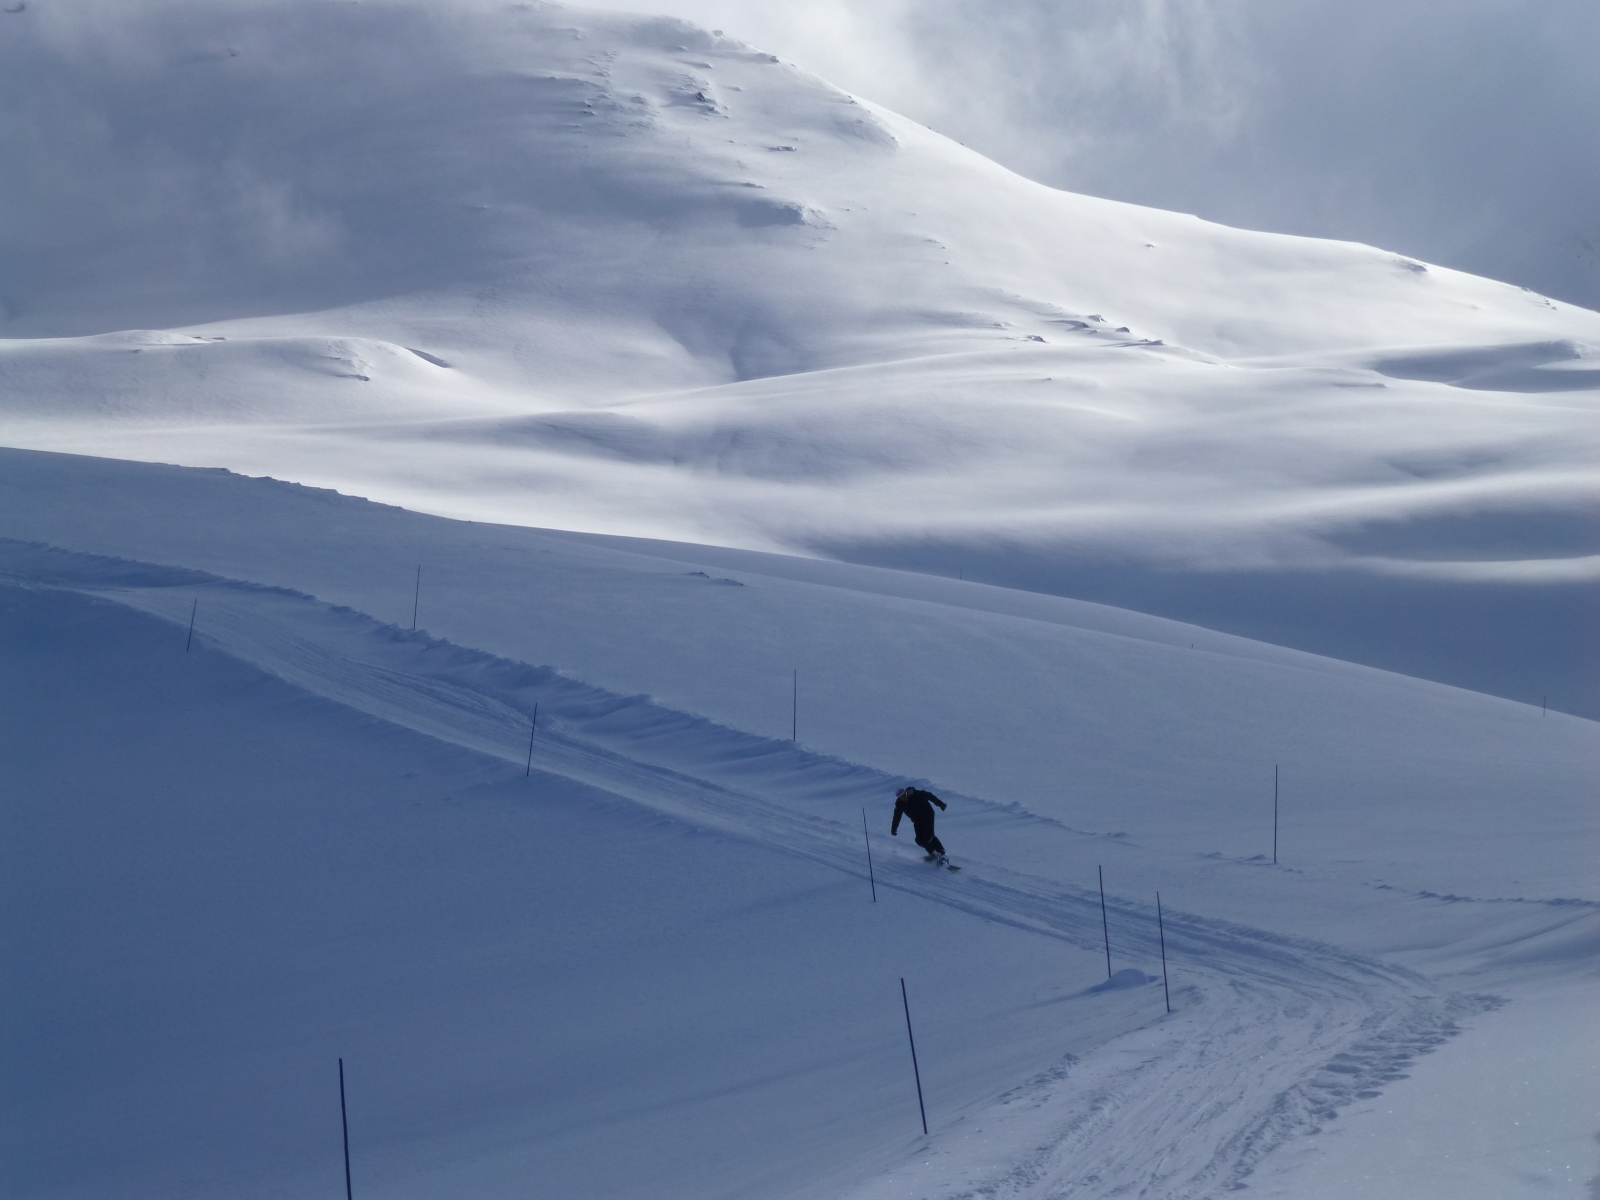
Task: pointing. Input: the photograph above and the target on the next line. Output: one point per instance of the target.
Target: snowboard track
(1320, 1026)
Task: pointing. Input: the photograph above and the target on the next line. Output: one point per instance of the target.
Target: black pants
(926, 840)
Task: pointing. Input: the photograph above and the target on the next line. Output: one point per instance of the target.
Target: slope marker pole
(1105, 926)
(416, 597)
(1161, 928)
(794, 708)
(871, 878)
(344, 1122)
(1544, 706)
(1274, 814)
(532, 729)
(914, 1070)
(190, 640)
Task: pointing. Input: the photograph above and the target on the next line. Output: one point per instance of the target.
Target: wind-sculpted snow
(1271, 1034)
(546, 266)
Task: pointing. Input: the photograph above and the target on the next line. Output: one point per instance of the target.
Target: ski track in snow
(1307, 1025)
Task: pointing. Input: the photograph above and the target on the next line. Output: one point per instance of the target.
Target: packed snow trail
(1270, 1034)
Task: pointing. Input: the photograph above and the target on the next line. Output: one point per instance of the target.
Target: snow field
(1102, 720)
(1484, 1119)
(528, 980)
(694, 903)
(650, 281)
(536, 267)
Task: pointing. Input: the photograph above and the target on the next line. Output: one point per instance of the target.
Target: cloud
(1464, 132)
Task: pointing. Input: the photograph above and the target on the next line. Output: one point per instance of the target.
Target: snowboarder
(918, 805)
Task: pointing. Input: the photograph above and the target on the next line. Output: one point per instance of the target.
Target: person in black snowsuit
(918, 805)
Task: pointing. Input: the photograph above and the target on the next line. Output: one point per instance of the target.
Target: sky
(1462, 132)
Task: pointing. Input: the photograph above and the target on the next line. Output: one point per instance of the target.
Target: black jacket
(916, 804)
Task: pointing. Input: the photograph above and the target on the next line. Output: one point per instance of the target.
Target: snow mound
(1128, 977)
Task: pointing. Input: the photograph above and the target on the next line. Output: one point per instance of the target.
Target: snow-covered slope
(628, 202)
(640, 955)
(535, 264)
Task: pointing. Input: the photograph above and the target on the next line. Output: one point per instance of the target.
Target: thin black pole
(1544, 706)
(1274, 814)
(532, 729)
(1161, 928)
(871, 878)
(1105, 926)
(914, 1071)
(190, 640)
(416, 597)
(794, 709)
(344, 1121)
